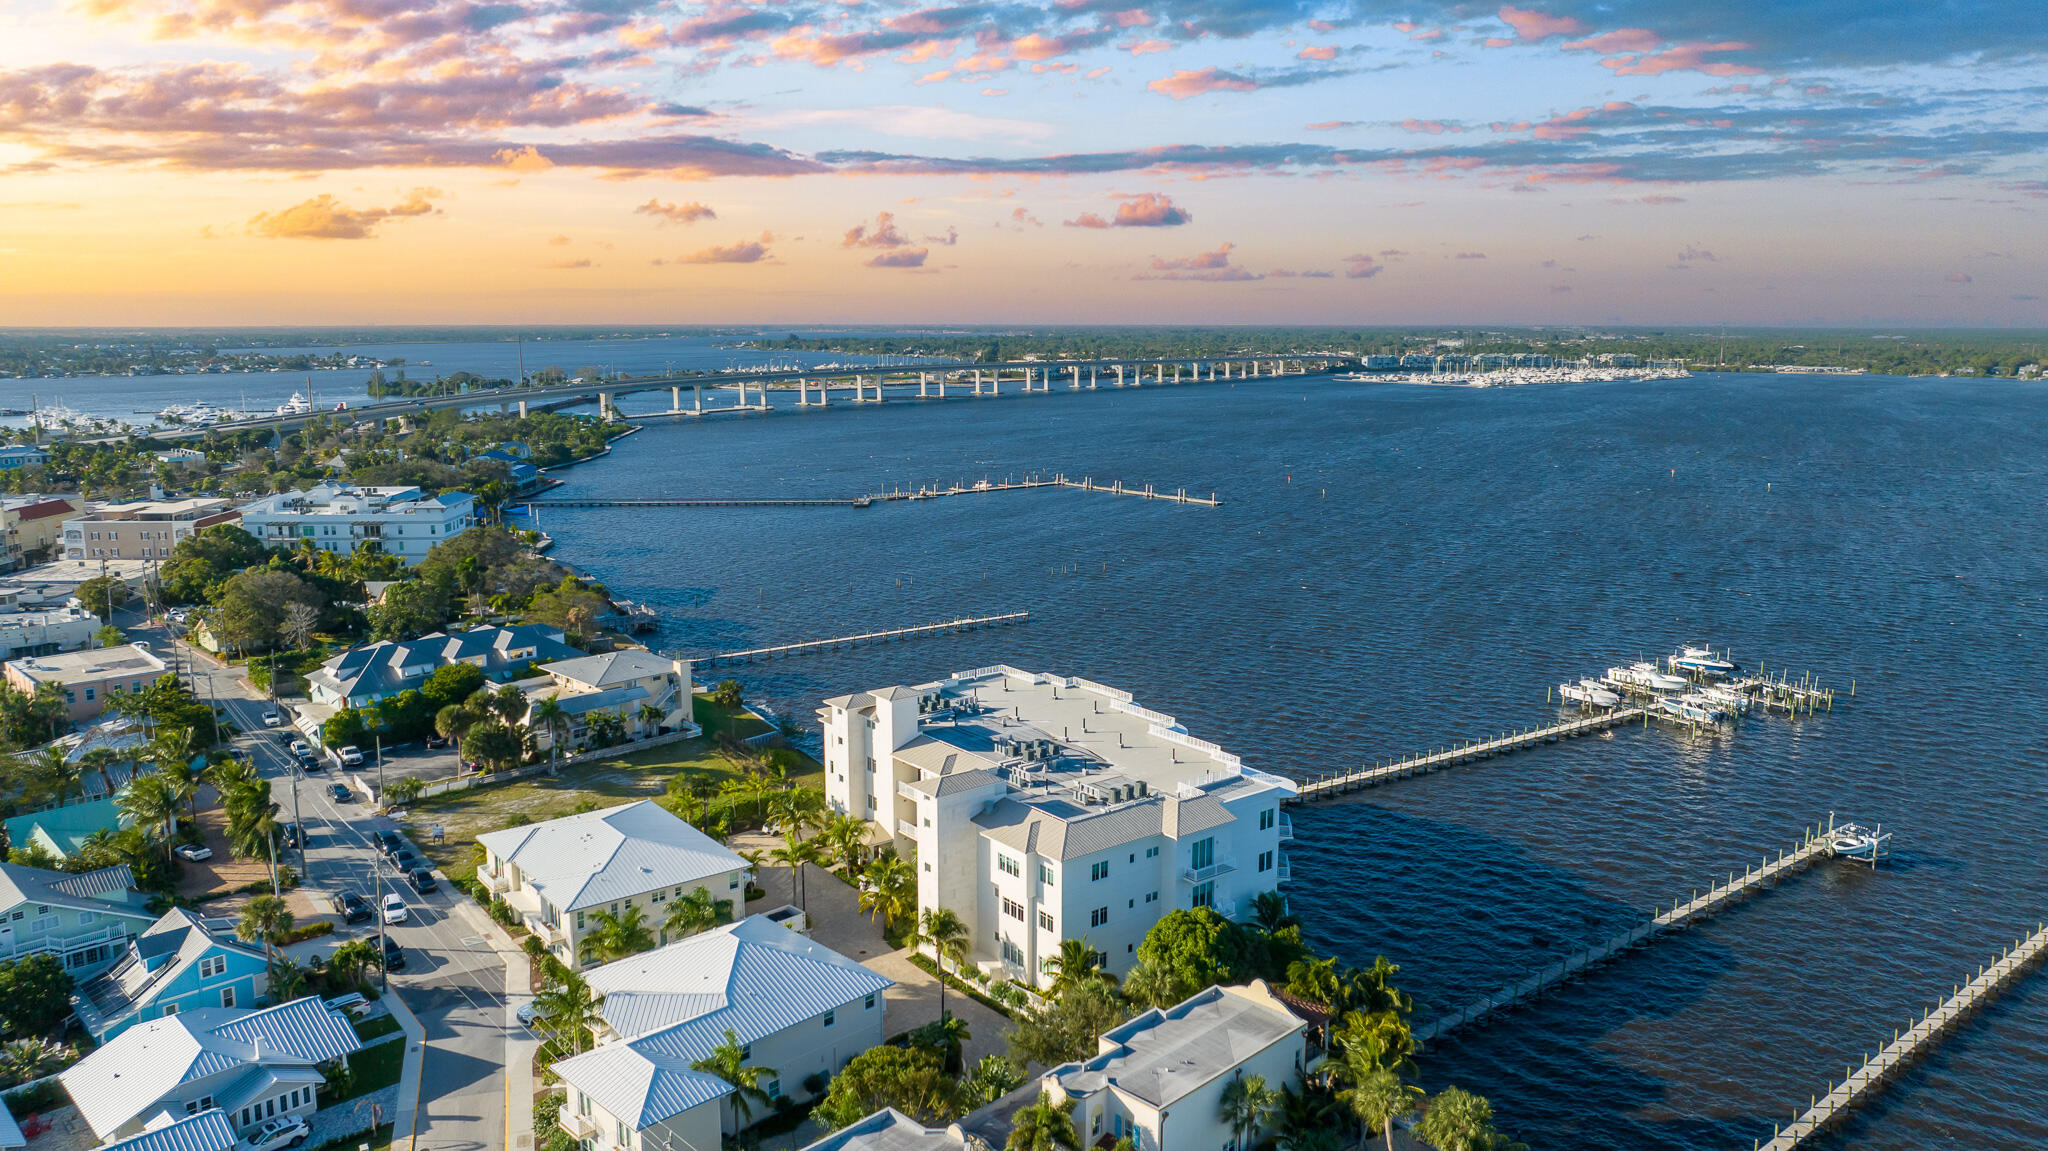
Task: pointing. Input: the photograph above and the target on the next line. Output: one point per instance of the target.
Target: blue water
(1395, 567)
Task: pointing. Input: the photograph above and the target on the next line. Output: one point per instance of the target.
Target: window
(1013, 909)
(1205, 894)
(774, 1089)
(623, 1136)
(1098, 917)
(44, 923)
(1151, 897)
(1098, 871)
(732, 882)
(227, 996)
(1204, 854)
(746, 1052)
(85, 917)
(170, 1009)
(212, 965)
(1045, 874)
(1006, 865)
(831, 1017)
(657, 897)
(1045, 920)
(88, 695)
(1152, 853)
(1265, 861)
(579, 921)
(871, 1001)
(1266, 820)
(1012, 953)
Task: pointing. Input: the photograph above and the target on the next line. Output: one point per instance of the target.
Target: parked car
(194, 851)
(351, 756)
(394, 908)
(273, 718)
(354, 908)
(299, 748)
(289, 739)
(389, 843)
(312, 764)
(281, 1132)
(407, 863)
(530, 1013)
(292, 835)
(422, 880)
(394, 955)
(338, 793)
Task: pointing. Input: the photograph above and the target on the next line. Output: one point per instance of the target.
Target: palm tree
(617, 936)
(51, 774)
(728, 1061)
(693, 913)
(1373, 989)
(351, 959)
(1247, 1102)
(149, 801)
(890, 890)
(1269, 912)
(1044, 1126)
(549, 716)
(1076, 963)
(1382, 1038)
(650, 718)
(1378, 1097)
(265, 918)
(1317, 980)
(568, 1010)
(793, 854)
(287, 980)
(101, 761)
(941, 928)
(1457, 1120)
(847, 835)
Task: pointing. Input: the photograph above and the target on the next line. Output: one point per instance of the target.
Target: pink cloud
(1532, 25)
(1500, 42)
(1619, 40)
(1960, 278)
(1685, 57)
(1131, 18)
(1327, 52)
(1361, 267)
(903, 258)
(1142, 210)
(1184, 84)
(1574, 123)
(688, 213)
(1660, 198)
(1323, 25)
(1331, 125)
(1425, 127)
(884, 234)
(1087, 220)
(1206, 267)
(1142, 47)
(743, 252)
(325, 218)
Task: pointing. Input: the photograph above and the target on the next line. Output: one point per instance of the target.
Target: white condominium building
(1042, 807)
(402, 521)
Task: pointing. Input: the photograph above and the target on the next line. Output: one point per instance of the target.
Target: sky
(1833, 162)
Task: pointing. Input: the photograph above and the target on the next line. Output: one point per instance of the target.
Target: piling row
(1328, 784)
(1907, 1045)
(1813, 845)
(817, 645)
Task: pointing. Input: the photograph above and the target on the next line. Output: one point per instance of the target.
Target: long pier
(1910, 1043)
(1325, 786)
(799, 502)
(1815, 844)
(896, 495)
(808, 646)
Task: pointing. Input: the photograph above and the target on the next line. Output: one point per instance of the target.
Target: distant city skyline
(1079, 161)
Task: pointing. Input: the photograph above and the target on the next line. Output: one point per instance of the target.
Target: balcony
(1286, 827)
(578, 1126)
(1286, 870)
(905, 791)
(498, 884)
(905, 827)
(1205, 874)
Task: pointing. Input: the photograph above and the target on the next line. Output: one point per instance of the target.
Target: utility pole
(296, 773)
(379, 737)
(383, 944)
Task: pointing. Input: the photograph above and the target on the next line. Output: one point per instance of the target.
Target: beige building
(141, 531)
(650, 694)
(31, 527)
(88, 678)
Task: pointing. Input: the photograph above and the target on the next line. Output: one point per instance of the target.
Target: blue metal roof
(206, 1131)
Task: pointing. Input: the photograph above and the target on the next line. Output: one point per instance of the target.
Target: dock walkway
(1910, 1043)
(1813, 845)
(816, 645)
(1324, 786)
(896, 495)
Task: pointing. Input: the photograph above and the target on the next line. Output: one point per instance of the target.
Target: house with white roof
(252, 1065)
(796, 1007)
(85, 918)
(560, 874)
(400, 521)
(1034, 802)
(362, 676)
(892, 1130)
(177, 965)
(1159, 1078)
(649, 693)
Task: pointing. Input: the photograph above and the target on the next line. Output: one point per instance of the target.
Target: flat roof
(1162, 1056)
(94, 663)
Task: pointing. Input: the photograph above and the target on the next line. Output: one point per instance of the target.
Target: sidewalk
(405, 1117)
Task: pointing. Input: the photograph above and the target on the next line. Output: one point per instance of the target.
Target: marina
(1908, 1045)
(1822, 841)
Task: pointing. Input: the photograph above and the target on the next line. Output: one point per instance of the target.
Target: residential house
(176, 965)
(624, 683)
(1159, 1078)
(361, 676)
(400, 521)
(523, 474)
(62, 831)
(46, 632)
(147, 530)
(892, 1130)
(23, 456)
(32, 527)
(560, 874)
(90, 677)
(795, 1006)
(1033, 802)
(254, 1065)
(62, 828)
(83, 918)
(209, 1130)
(191, 456)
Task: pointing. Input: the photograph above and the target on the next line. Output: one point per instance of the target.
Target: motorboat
(1727, 697)
(1643, 676)
(1588, 693)
(1852, 842)
(298, 405)
(1689, 708)
(1700, 661)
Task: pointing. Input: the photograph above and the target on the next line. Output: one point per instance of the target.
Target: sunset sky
(1171, 161)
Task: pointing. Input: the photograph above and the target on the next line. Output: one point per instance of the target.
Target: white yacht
(1853, 842)
(1588, 693)
(298, 405)
(1701, 661)
(1690, 708)
(1642, 676)
(1726, 697)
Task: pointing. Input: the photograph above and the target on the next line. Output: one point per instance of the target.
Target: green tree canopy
(910, 1079)
(1066, 1028)
(1194, 948)
(250, 610)
(202, 561)
(35, 994)
(101, 594)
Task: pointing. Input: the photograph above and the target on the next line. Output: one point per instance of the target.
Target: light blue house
(86, 919)
(176, 965)
(22, 455)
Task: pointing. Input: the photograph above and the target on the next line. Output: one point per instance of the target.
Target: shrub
(306, 931)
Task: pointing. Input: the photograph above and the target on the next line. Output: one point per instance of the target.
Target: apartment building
(141, 531)
(88, 678)
(401, 521)
(1036, 804)
(46, 632)
(32, 528)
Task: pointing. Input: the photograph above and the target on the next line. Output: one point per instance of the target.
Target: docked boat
(1643, 676)
(1727, 697)
(1689, 708)
(1853, 842)
(1588, 693)
(1700, 661)
(298, 405)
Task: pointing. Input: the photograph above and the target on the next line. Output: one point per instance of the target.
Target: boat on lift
(1700, 661)
(1588, 693)
(1643, 676)
(1690, 708)
(1727, 697)
(1850, 841)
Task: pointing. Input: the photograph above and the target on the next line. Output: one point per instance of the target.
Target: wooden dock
(817, 645)
(1910, 1043)
(1325, 786)
(895, 495)
(1814, 845)
(799, 502)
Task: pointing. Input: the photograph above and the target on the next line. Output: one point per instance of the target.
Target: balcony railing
(1286, 827)
(908, 792)
(1205, 874)
(578, 1126)
(1286, 870)
(18, 946)
(498, 884)
(905, 827)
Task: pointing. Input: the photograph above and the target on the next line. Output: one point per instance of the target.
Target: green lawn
(642, 773)
(376, 1068)
(368, 1029)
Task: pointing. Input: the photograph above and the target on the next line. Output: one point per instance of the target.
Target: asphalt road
(454, 981)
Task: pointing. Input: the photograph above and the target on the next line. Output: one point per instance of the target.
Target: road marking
(473, 941)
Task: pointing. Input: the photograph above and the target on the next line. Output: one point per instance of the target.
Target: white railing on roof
(1145, 713)
(984, 672)
(1104, 689)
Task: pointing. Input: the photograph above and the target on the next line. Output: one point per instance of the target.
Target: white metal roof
(588, 860)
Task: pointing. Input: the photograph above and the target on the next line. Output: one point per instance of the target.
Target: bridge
(864, 382)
